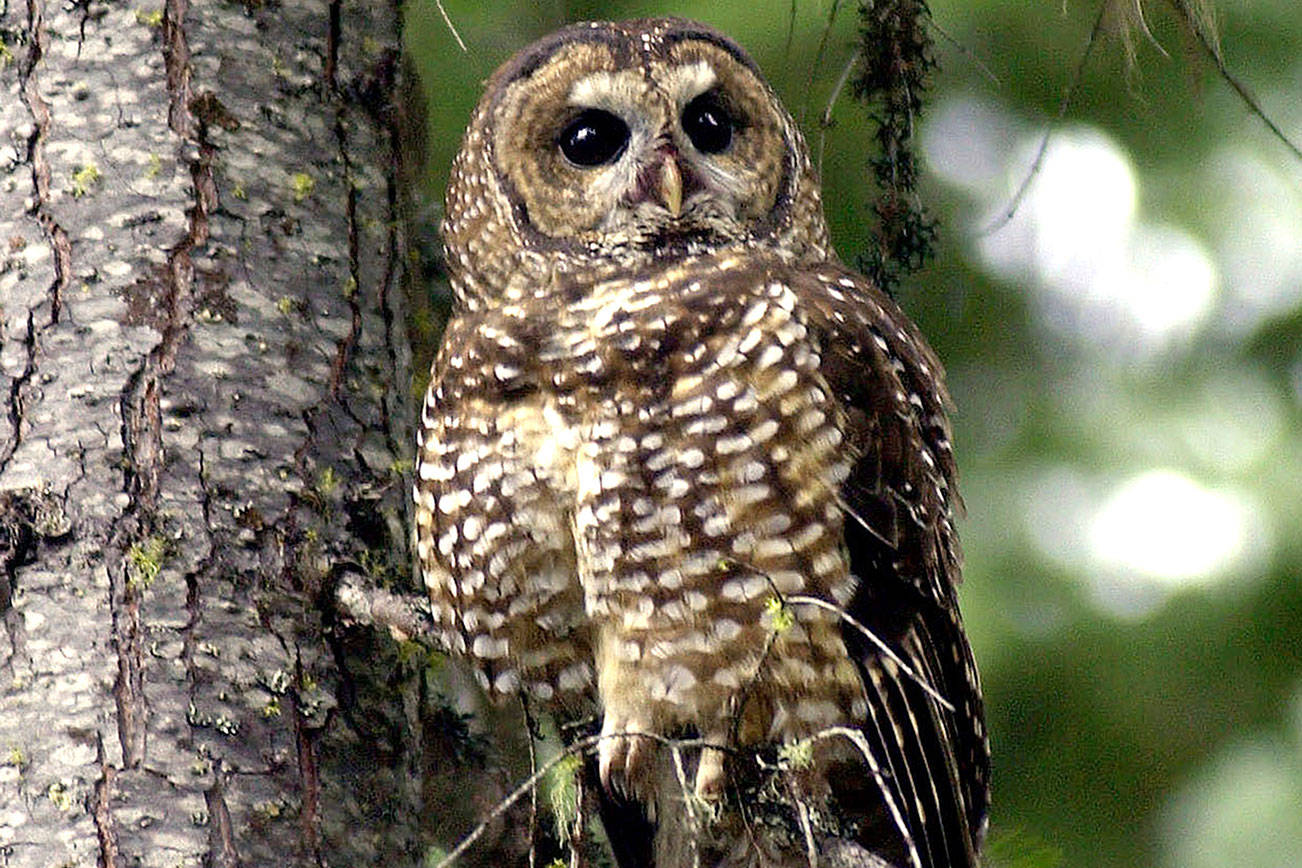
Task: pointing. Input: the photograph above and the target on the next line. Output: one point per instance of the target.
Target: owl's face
(626, 143)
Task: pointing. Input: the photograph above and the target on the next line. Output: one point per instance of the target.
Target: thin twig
(825, 122)
(791, 33)
(514, 796)
(1205, 42)
(744, 696)
(1208, 44)
(854, 513)
(451, 26)
(689, 802)
(1143, 28)
(857, 738)
(578, 748)
(811, 849)
(966, 52)
(818, 58)
(680, 771)
(533, 794)
(802, 599)
(1068, 95)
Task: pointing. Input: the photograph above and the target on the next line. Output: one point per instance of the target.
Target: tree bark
(204, 428)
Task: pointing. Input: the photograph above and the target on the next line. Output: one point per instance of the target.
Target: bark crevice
(102, 810)
(15, 397)
(221, 833)
(30, 93)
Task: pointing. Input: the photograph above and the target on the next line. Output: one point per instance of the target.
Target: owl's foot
(625, 759)
(709, 772)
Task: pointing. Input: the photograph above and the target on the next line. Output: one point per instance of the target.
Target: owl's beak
(670, 185)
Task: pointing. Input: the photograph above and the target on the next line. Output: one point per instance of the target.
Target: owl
(684, 476)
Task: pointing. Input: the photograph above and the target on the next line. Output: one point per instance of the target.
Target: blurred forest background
(1126, 357)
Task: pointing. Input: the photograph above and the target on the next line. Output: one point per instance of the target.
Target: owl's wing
(899, 501)
(492, 527)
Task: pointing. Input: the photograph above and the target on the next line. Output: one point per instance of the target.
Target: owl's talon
(610, 764)
(624, 760)
(709, 774)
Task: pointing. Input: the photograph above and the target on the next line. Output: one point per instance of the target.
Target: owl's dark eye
(708, 124)
(594, 138)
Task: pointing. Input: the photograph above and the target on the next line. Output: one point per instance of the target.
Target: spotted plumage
(683, 473)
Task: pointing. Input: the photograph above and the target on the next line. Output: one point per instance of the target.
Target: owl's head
(609, 146)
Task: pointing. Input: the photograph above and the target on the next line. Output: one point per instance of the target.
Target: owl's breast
(623, 342)
(702, 459)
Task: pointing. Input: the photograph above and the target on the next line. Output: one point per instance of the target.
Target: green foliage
(301, 185)
(61, 796)
(797, 755)
(144, 561)
(84, 179)
(150, 17)
(561, 790)
(780, 616)
(327, 481)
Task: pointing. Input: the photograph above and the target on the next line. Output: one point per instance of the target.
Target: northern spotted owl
(683, 473)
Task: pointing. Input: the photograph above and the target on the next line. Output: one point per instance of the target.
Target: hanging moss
(896, 62)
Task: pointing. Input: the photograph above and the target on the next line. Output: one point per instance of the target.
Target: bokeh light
(1260, 240)
(1100, 273)
(1241, 809)
(1164, 526)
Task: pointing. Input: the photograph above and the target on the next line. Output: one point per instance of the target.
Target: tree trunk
(205, 427)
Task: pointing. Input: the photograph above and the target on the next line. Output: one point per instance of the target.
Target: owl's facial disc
(667, 179)
(684, 149)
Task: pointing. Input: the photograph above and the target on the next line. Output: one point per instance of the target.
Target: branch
(407, 616)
